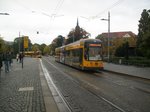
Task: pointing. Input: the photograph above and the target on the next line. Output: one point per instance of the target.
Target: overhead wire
(55, 12)
(24, 6)
(57, 8)
(52, 16)
(107, 9)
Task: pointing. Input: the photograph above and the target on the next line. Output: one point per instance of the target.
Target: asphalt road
(99, 92)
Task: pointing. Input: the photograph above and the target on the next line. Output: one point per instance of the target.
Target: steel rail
(89, 85)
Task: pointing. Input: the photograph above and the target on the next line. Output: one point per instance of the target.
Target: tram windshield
(93, 53)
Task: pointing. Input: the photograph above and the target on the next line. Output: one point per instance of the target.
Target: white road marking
(51, 83)
(26, 89)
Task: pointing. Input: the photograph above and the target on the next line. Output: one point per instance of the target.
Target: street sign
(25, 42)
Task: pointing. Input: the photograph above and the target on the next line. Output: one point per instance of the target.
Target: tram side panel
(74, 57)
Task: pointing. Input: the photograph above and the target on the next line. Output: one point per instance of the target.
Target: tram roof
(84, 40)
(79, 41)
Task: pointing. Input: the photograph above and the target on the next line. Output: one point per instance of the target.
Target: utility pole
(108, 36)
(108, 40)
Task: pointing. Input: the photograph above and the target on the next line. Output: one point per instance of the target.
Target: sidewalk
(25, 90)
(143, 72)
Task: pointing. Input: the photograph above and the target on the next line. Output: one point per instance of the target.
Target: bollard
(120, 61)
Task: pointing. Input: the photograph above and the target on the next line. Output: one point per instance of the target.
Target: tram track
(88, 87)
(126, 76)
(121, 90)
(131, 77)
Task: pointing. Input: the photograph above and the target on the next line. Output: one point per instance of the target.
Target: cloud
(30, 16)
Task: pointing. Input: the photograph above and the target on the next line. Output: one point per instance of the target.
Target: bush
(136, 61)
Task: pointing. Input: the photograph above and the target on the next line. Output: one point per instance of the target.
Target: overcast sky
(57, 17)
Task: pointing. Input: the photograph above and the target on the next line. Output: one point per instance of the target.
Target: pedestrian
(10, 58)
(17, 57)
(6, 61)
(1, 61)
(20, 57)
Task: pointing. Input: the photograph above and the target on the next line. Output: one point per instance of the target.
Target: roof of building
(119, 34)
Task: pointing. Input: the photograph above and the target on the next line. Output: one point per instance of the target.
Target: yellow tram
(85, 54)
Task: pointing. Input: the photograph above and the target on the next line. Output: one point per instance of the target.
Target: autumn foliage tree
(116, 42)
(57, 42)
(77, 34)
(46, 50)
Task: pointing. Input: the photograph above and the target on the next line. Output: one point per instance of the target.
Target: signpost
(25, 42)
(22, 51)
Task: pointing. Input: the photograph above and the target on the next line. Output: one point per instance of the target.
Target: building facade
(116, 39)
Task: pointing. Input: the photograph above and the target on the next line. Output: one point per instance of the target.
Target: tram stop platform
(25, 89)
(141, 72)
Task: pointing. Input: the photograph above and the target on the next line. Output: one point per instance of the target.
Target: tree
(2, 46)
(18, 45)
(122, 51)
(77, 34)
(46, 50)
(57, 42)
(104, 42)
(5, 46)
(70, 37)
(52, 48)
(116, 39)
(41, 48)
(143, 42)
(35, 47)
(60, 41)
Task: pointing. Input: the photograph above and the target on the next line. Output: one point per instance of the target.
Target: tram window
(77, 52)
(80, 55)
(94, 53)
(67, 53)
(86, 54)
(74, 53)
(70, 53)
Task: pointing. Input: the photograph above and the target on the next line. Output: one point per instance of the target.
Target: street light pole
(108, 36)
(108, 40)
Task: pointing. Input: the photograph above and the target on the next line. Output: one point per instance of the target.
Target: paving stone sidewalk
(20, 89)
(143, 72)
